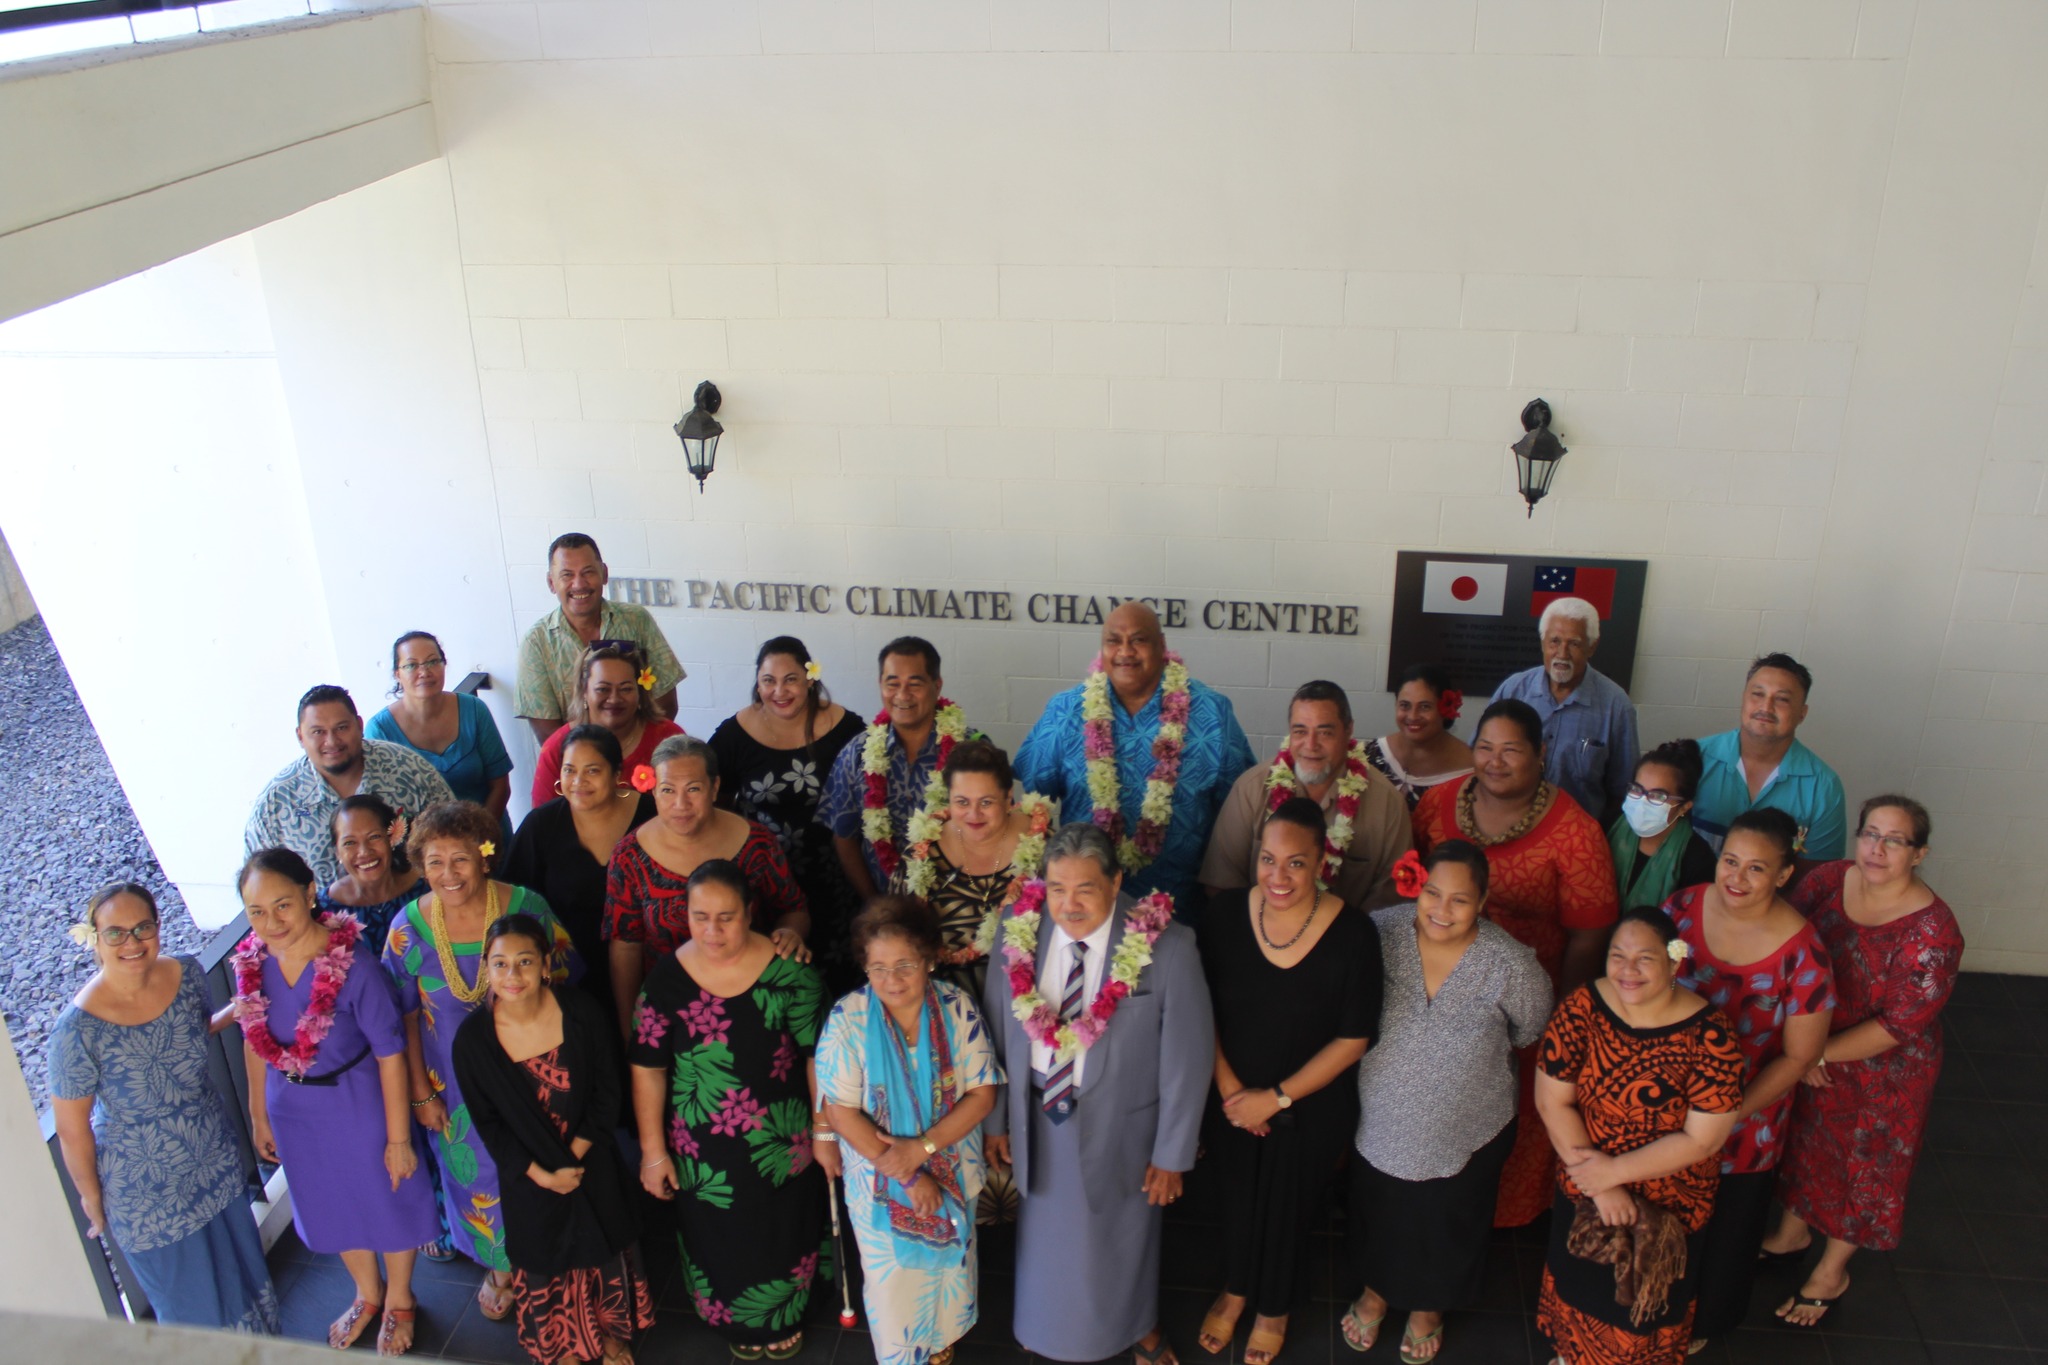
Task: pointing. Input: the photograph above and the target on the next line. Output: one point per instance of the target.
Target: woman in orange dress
(1641, 1083)
(1552, 887)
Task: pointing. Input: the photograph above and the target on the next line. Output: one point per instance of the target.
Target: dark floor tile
(2028, 992)
(1191, 1263)
(996, 1324)
(1991, 1184)
(461, 1270)
(476, 1338)
(969, 1352)
(1873, 1306)
(1959, 1079)
(2014, 1246)
(2028, 1304)
(1968, 1126)
(1864, 1351)
(1938, 1239)
(2026, 1130)
(1974, 989)
(442, 1305)
(312, 1296)
(1776, 1346)
(1503, 1291)
(1950, 1353)
(1480, 1338)
(2012, 1074)
(2007, 1028)
(1965, 1309)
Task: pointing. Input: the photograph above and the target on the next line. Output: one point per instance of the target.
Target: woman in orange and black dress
(1638, 1086)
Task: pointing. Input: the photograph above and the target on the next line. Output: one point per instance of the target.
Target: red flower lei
(330, 971)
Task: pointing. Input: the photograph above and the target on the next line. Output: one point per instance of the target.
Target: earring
(558, 788)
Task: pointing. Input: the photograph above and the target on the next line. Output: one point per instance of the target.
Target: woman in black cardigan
(540, 1072)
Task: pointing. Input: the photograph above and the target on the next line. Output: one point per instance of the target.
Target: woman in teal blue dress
(435, 956)
(451, 730)
(906, 1073)
(144, 1133)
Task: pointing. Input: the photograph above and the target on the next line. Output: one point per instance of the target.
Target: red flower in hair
(1409, 875)
(643, 778)
(1449, 703)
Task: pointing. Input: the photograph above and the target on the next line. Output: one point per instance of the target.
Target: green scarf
(1660, 878)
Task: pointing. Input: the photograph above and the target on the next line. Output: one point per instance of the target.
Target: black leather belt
(326, 1077)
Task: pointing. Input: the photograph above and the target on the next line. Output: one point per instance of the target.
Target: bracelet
(915, 1176)
(825, 1135)
(421, 1104)
(648, 1166)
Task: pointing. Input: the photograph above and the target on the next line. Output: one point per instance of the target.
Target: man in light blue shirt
(1762, 763)
(1589, 724)
(1053, 760)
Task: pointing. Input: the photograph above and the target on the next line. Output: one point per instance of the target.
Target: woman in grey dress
(1437, 1099)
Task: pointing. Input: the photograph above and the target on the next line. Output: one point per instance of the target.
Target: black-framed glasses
(114, 936)
(1656, 796)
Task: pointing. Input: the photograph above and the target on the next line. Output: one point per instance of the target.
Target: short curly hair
(464, 820)
(901, 916)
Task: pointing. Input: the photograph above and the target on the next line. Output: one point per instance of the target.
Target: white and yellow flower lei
(1135, 849)
(1281, 783)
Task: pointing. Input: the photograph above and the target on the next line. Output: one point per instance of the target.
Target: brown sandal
(1264, 1339)
(396, 1320)
(1216, 1327)
(491, 1295)
(346, 1330)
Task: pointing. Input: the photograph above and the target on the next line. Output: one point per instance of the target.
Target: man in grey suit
(1099, 1139)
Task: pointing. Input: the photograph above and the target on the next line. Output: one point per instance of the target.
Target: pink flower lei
(330, 971)
(1144, 924)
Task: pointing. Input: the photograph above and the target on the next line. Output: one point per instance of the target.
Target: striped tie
(1059, 1098)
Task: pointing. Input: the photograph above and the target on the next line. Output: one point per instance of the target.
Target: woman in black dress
(773, 758)
(541, 1074)
(1295, 977)
(564, 845)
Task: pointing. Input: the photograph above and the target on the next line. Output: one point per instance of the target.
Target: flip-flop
(1409, 1344)
(1368, 1329)
(487, 1294)
(1773, 1257)
(788, 1350)
(1158, 1355)
(394, 1319)
(346, 1330)
(750, 1353)
(1807, 1301)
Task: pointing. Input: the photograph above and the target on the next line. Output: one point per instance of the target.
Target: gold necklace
(451, 970)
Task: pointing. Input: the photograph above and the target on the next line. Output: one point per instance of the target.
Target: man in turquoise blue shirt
(1053, 760)
(1762, 763)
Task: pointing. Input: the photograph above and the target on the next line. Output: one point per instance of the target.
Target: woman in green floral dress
(723, 1093)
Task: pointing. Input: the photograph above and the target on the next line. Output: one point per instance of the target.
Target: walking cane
(847, 1317)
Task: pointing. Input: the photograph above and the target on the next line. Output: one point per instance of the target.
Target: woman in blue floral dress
(723, 1097)
(435, 956)
(144, 1133)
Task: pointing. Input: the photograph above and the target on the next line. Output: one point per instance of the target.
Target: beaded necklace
(451, 970)
(1468, 820)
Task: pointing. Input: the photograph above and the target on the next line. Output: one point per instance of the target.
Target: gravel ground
(68, 830)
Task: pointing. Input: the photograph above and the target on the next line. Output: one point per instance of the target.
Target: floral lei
(1281, 783)
(1142, 928)
(1098, 743)
(330, 971)
(875, 825)
(1027, 862)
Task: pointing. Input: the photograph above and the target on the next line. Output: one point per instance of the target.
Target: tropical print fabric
(912, 1311)
(749, 1202)
(469, 1182)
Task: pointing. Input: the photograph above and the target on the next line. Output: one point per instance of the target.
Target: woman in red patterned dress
(1640, 1084)
(1761, 963)
(1552, 887)
(541, 1077)
(1857, 1122)
(647, 884)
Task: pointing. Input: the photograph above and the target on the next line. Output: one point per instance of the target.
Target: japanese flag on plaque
(1452, 587)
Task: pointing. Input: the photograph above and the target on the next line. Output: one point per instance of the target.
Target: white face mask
(1646, 817)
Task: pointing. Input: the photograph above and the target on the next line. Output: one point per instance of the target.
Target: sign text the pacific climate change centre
(992, 605)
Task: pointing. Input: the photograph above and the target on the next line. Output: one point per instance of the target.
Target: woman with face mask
(1655, 848)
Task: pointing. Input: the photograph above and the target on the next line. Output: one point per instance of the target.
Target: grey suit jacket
(1147, 1078)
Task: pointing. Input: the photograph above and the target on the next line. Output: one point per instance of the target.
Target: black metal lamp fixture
(1536, 454)
(699, 432)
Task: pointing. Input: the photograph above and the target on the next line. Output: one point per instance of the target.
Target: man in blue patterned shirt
(1053, 759)
(296, 809)
(910, 695)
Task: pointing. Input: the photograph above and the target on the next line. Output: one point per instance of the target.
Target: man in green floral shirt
(548, 655)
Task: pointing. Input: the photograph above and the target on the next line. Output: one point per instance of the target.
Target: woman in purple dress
(320, 1023)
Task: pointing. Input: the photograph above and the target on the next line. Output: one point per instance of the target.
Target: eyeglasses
(1890, 843)
(144, 932)
(902, 971)
(415, 665)
(1656, 796)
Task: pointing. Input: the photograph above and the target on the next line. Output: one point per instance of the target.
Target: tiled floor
(1969, 1283)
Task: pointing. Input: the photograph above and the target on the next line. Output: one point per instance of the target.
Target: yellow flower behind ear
(814, 670)
(646, 680)
(487, 848)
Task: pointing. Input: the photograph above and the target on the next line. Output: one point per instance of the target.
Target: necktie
(1060, 1098)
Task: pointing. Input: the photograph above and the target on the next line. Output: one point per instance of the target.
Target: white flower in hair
(1678, 950)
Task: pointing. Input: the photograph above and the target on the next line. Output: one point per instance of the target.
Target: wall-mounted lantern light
(699, 432)
(1536, 454)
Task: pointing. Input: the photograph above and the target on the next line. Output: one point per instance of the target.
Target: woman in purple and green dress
(723, 1094)
(435, 956)
(332, 1112)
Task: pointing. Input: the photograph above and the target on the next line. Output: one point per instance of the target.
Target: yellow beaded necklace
(451, 970)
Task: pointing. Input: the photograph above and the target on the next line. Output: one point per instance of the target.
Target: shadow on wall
(69, 829)
(16, 605)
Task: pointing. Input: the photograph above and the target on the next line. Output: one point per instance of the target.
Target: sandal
(1162, 1354)
(348, 1329)
(1360, 1333)
(396, 1320)
(1264, 1341)
(1217, 1328)
(1772, 1257)
(490, 1295)
(1798, 1301)
(785, 1350)
(740, 1352)
(1412, 1346)
(944, 1357)
(438, 1251)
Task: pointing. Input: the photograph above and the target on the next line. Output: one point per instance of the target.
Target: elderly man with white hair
(1589, 723)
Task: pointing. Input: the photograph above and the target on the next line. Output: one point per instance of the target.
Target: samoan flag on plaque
(1553, 581)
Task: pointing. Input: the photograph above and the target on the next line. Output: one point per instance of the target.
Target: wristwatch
(930, 1148)
(1281, 1095)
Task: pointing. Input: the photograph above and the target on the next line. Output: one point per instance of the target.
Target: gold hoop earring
(619, 790)
(558, 788)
